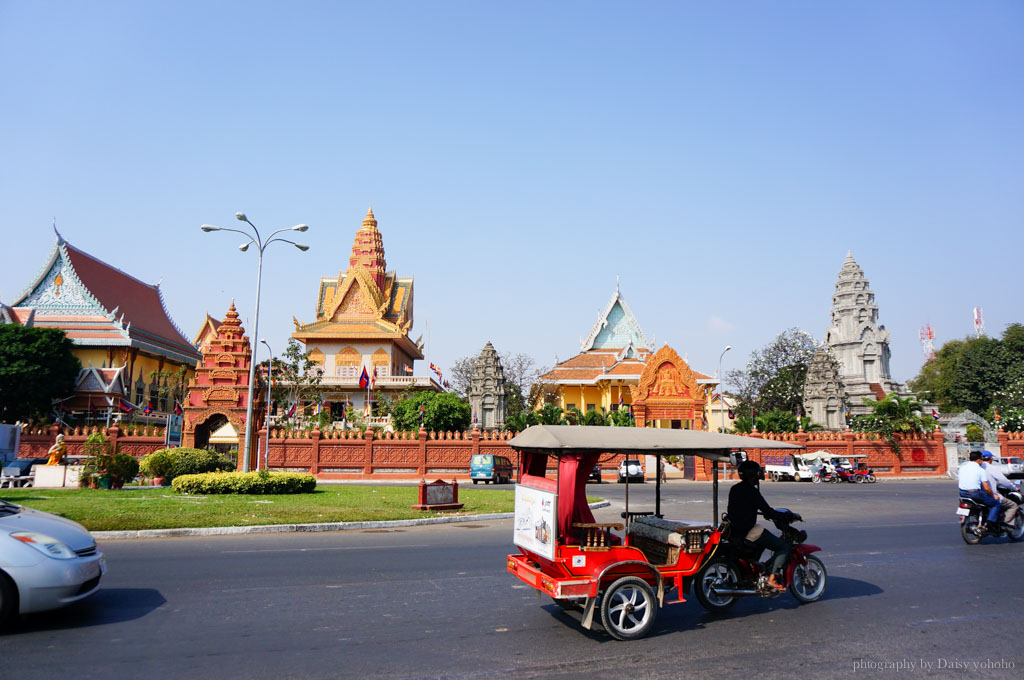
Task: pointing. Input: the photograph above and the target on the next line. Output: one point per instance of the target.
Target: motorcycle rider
(745, 500)
(974, 484)
(996, 478)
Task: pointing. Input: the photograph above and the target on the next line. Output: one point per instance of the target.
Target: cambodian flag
(620, 399)
(177, 408)
(935, 414)
(291, 411)
(474, 416)
(364, 379)
(125, 405)
(149, 408)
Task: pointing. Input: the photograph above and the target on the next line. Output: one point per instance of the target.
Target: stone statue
(57, 451)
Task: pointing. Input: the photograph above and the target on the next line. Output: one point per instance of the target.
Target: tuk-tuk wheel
(628, 608)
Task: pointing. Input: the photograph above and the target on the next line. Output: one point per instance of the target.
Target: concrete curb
(294, 528)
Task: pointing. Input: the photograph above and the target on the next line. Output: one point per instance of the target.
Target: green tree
(774, 376)
(520, 421)
(442, 412)
(295, 378)
(37, 366)
(621, 418)
(550, 414)
(594, 417)
(892, 416)
(169, 385)
(777, 420)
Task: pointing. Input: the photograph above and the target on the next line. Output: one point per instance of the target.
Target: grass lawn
(161, 508)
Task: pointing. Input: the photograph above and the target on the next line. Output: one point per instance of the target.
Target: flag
(291, 411)
(407, 369)
(423, 412)
(704, 420)
(344, 409)
(732, 416)
(149, 407)
(935, 414)
(474, 416)
(620, 399)
(125, 405)
(995, 411)
(364, 379)
(178, 410)
(373, 378)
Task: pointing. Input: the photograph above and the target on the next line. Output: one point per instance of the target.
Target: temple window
(591, 407)
(346, 371)
(570, 406)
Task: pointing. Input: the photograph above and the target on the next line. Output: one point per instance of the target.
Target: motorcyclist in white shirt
(996, 478)
(973, 482)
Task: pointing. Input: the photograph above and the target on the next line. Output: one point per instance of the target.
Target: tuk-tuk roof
(564, 439)
(819, 455)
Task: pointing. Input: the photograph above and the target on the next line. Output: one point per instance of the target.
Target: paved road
(435, 602)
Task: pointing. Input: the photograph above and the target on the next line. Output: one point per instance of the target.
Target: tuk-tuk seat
(662, 539)
(594, 536)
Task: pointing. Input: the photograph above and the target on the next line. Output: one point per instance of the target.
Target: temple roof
(364, 301)
(616, 327)
(98, 305)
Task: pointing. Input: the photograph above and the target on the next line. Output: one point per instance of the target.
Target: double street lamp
(261, 245)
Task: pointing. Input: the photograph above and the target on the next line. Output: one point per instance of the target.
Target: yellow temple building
(617, 369)
(129, 347)
(363, 318)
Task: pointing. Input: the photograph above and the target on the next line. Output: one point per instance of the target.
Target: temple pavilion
(363, 318)
(617, 369)
(126, 341)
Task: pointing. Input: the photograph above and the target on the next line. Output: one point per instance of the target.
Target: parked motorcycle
(823, 475)
(735, 569)
(972, 515)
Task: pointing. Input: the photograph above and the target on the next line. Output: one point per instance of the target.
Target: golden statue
(57, 451)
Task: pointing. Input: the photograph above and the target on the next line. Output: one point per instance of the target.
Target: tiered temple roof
(98, 305)
(365, 302)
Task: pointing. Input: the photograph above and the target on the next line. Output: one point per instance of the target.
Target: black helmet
(750, 471)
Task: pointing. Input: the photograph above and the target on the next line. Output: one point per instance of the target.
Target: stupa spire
(368, 250)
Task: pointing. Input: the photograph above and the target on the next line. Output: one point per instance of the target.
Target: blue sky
(721, 160)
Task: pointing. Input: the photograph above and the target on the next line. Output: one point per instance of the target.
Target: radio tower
(927, 336)
(979, 322)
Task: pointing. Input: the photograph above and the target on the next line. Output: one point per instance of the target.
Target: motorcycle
(735, 569)
(972, 515)
(824, 475)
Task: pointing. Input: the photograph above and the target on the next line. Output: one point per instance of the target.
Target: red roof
(140, 302)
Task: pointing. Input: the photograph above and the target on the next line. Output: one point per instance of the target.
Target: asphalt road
(436, 602)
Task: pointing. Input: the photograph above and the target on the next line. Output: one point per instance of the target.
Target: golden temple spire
(368, 250)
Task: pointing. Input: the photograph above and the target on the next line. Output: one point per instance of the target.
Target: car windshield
(7, 508)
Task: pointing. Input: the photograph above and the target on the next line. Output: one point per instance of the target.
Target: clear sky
(720, 158)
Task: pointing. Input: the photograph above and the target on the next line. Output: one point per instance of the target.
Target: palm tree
(551, 415)
(892, 416)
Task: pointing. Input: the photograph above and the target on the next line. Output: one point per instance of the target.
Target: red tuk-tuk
(623, 571)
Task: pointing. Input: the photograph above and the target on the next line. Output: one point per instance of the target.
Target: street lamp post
(721, 392)
(270, 378)
(261, 245)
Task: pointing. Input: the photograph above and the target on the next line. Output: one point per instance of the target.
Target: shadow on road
(680, 618)
(109, 605)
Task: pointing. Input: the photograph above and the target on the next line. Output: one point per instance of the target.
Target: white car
(631, 469)
(46, 561)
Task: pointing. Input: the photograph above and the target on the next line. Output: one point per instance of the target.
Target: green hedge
(171, 463)
(261, 482)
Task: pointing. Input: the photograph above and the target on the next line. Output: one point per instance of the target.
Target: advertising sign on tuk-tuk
(535, 526)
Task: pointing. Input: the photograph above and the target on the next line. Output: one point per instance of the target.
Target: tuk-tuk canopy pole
(657, 487)
(714, 493)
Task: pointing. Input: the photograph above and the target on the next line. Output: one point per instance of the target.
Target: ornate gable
(616, 327)
(668, 390)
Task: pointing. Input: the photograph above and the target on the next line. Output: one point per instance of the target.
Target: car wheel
(809, 580)
(628, 608)
(8, 600)
(716, 573)
(474, 481)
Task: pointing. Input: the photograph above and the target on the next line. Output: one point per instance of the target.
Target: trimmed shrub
(157, 464)
(197, 461)
(257, 483)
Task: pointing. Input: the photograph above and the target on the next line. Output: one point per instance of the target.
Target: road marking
(266, 550)
(960, 619)
(888, 526)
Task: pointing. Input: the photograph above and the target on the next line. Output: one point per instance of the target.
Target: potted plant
(157, 466)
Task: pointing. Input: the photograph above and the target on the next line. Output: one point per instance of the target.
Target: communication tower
(927, 336)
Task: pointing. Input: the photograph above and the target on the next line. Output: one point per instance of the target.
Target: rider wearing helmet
(745, 500)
